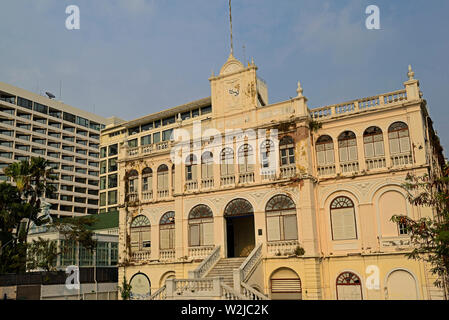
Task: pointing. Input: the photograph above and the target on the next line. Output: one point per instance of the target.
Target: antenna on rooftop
(230, 21)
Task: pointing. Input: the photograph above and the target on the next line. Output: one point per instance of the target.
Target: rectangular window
(112, 197)
(113, 150)
(146, 140)
(82, 122)
(24, 103)
(156, 137)
(94, 125)
(132, 143)
(147, 126)
(167, 135)
(112, 181)
(134, 130)
(55, 113)
(40, 108)
(102, 183)
(103, 152)
(206, 110)
(69, 117)
(102, 199)
(113, 165)
(103, 167)
(343, 224)
(168, 121)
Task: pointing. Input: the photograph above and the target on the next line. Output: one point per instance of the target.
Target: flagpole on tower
(230, 20)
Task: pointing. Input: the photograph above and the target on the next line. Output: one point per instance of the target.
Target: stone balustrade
(401, 159)
(207, 183)
(200, 252)
(147, 195)
(326, 170)
(288, 171)
(359, 105)
(162, 193)
(349, 166)
(167, 254)
(141, 255)
(246, 177)
(375, 163)
(278, 248)
(191, 185)
(228, 180)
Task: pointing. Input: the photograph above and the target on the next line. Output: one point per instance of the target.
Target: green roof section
(105, 220)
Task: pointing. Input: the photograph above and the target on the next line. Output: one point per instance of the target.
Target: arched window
(191, 168)
(398, 135)
(287, 151)
(207, 165)
(281, 219)
(349, 286)
(373, 141)
(246, 159)
(162, 180)
(133, 176)
(285, 284)
(347, 146)
(227, 162)
(201, 226)
(147, 179)
(167, 231)
(343, 219)
(325, 151)
(140, 234)
(238, 207)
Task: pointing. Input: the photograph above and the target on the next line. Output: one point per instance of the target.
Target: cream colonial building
(217, 226)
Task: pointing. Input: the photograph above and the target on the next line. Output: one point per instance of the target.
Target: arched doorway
(240, 240)
(401, 285)
(285, 284)
(140, 286)
(349, 286)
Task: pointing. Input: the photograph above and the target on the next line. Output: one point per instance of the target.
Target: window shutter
(330, 158)
(203, 170)
(394, 146)
(134, 240)
(337, 225)
(404, 144)
(194, 235)
(273, 229)
(165, 239)
(343, 224)
(208, 233)
(290, 227)
(343, 154)
(321, 158)
(353, 153)
(194, 172)
(349, 223)
(146, 237)
(230, 168)
(172, 238)
(369, 150)
(379, 148)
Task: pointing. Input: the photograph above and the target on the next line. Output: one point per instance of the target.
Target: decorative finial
(299, 90)
(252, 60)
(410, 73)
(230, 22)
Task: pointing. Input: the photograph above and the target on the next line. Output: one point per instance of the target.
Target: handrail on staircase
(252, 294)
(159, 294)
(206, 265)
(246, 268)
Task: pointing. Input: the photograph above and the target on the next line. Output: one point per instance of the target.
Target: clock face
(232, 93)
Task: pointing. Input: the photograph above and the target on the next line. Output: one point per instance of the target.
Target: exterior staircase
(225, 269)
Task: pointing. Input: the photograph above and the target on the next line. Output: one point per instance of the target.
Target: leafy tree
(42, 254)
(430, 236)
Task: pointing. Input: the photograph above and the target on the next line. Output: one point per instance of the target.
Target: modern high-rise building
(35, 126)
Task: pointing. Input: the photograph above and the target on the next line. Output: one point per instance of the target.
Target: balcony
(326, 170)
(246, 177)
(279, 248)
(349, 166)
(191, 185)
(149, 149)
(162, 193)
(375, 163)
(167, 254)
(141, 256)
(401, 159)
(288, 171)
(147, 195)
(228, 180)
(207, 183)
(133, 197)
(200, 252)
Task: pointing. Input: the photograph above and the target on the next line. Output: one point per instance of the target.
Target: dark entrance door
(240, 239)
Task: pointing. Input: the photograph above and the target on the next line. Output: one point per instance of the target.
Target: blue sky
(134, 57)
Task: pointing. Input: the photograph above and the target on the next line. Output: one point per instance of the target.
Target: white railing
(147, 149)
(162, 193)
(133, 152)
(247, 177)
(247, 267)
(401, 159)
(162, 145)
(350, 166)
(207, 264)
(288, 171)
(147, 195)
(141, 255)
(277, 248)
(250, 293)
(326, 170)
(269, 175)
(200, 252)
(160, 294)
(132, 197)
(227, 180)
(191, 185)
(193, 285)
(358, 105)
(207, 183)
(229, 294)
(375, 163)
(167, 254)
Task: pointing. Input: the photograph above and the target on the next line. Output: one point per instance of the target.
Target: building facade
(230, 197)
(35, 126)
